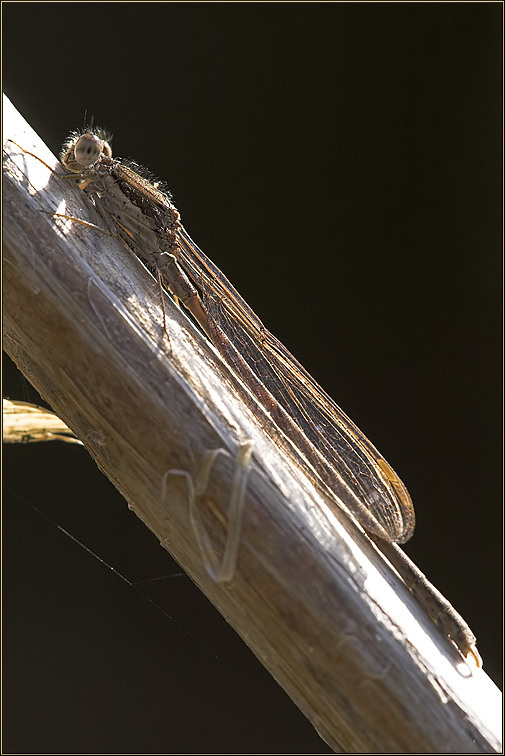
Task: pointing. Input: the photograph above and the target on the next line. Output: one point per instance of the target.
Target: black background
(341, 164)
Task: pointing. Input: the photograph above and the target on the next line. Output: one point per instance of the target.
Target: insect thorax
(134, 205)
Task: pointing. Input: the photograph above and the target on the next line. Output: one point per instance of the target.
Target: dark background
(341, 164)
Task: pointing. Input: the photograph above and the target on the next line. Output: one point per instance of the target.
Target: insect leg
(181, 287)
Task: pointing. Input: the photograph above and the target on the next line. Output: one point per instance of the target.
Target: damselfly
(339, 458)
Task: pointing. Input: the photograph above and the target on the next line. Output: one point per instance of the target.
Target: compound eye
(88, 149)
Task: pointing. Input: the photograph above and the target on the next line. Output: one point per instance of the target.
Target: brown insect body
(342, 460)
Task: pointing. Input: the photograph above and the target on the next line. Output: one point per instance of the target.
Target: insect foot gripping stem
(220, 570)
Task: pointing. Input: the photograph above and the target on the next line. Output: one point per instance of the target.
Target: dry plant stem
(309, 594)
(26, 423)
